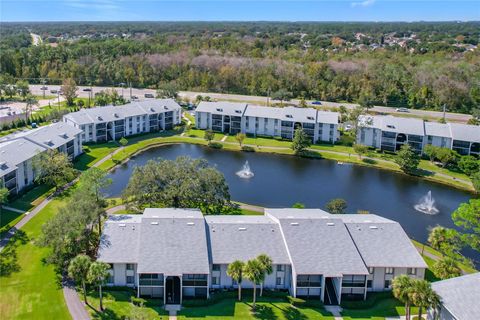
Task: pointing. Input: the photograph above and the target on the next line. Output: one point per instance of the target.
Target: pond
(281, 181)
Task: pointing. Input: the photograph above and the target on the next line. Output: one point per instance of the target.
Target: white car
(402, 110)
(348, 127)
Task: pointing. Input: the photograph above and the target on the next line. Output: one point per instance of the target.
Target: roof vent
(165, 107)
(219, 110)
(310, 118)
(289, 116)
(294, 223)
(3, 164)
(116, 115)
(373, 227)
(330, 224)
(242, 229)
(190, 223)
(238, 111)
(155, 223)
(391, 126)
(152, 110)
(64, 135)
(122, 225)
(48, 142)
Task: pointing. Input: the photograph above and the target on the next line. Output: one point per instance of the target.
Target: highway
(140, 93)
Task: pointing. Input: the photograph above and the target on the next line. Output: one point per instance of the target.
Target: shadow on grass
(292, 313)
(263, 312)
(8, 256)
(369, 161)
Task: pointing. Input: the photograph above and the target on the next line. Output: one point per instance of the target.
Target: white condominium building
(256, 120)
(390, 133)
(114, 122)
(17, 152)
(178, 254)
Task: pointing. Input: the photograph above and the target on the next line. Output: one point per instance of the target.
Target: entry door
(172, 289)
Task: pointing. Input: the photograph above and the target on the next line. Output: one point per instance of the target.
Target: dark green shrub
(139, 302)
(248, 149)
(297, 302)
(215, 145)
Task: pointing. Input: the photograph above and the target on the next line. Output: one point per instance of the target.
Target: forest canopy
(417, 65)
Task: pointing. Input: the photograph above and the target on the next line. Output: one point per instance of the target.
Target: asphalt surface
(140, 94)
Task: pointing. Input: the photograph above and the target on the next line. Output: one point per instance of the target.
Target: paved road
(140, 93)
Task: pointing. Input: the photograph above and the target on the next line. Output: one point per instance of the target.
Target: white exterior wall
(443, 142)
(440, 314)
(270, 280)
(266, 126)
(120, 273)
(372, 137)
(203, 120)
(325, 136)
(379, 276)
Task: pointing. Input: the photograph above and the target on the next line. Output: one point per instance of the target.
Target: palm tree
(253, 271)
(401, 287)
(78, 270)
(97, 275)
(422, 295)
(266, 263)
(235, 271)
(30, 101)
(446, 268)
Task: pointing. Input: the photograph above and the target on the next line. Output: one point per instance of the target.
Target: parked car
(149, 95)
(402, 110)
(348, 127)
(87, 89)
(44, 88)
(134, 98)
(53, 91)
(318, 103)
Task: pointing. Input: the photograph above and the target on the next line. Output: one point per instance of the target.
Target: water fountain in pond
(427, 204)
(245, 173)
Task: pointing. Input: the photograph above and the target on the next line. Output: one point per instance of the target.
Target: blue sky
(197, 10)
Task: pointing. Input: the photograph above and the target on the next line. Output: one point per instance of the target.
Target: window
(411, 271)
(110, 279)
(216, 267)
(388, 270)
(370, 270)
(369, 283)
(388, 284)
(111, 265)
(129, 279)
(280, 267)
(129, 266)
(214, 280)
(279, 281)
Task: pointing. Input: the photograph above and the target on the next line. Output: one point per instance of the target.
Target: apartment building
(390, 133)
(108, 123)
(459, 298)
(231, 118)
(17, 152)
(177, 254)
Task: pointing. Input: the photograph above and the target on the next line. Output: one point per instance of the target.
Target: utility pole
(444, 109)
(268, 97)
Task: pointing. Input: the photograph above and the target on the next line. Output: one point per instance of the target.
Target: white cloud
(93, 4)
(365, 3)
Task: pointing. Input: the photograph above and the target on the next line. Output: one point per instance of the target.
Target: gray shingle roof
(16, 151)
(222, 107)
(460, 296)
(113, 113)
(465, 132)
(54, 135)
(174, 243)
(244, 237)
(437, 129)
(384, 244)
(318, 242)
(120, 239)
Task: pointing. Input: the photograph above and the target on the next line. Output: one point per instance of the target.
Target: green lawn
(30, 288)
(267, 308)
(8, 219)
(117, 305)
(93, 153)
(376, 307)
(189, 117)
(31, 198)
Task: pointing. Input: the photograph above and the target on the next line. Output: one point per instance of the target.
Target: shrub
(215, 145)
(139, 302)
(297, 302)
(373, 299)
(248, 149)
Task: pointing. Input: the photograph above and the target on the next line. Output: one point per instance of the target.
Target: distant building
(256, 120)
(389, 133)
(17, 152)
(459, 299)
(108, 123)
(177, 254)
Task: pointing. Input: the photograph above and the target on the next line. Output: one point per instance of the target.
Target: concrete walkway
(75, 306)
(335, 311)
